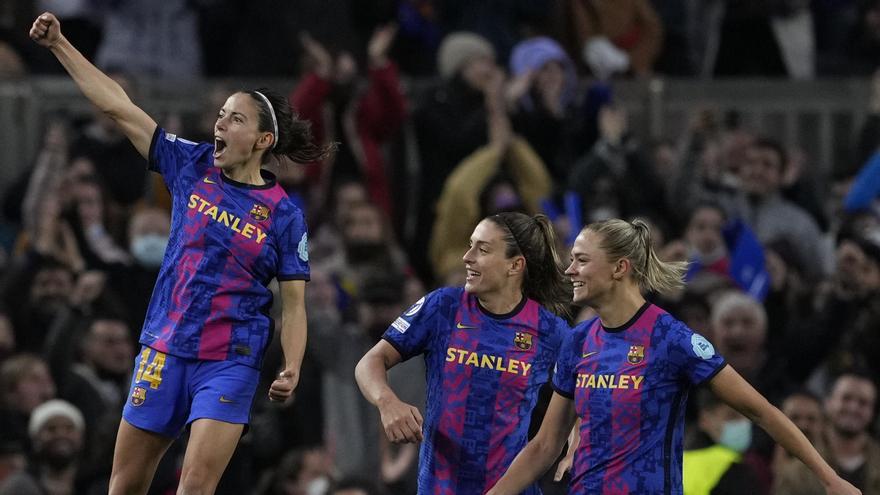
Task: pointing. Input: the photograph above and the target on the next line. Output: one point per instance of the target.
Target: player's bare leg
(210, 447)
(135, 459)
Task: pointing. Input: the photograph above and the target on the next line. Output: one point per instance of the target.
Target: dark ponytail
(534, 238)
(294, 139)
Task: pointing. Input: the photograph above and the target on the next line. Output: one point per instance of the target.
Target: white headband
(274, 120)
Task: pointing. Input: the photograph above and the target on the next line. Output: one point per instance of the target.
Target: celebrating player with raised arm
(233, 231)
(488, 348)
(627, 374)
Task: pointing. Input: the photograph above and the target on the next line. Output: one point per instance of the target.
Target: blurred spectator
(148, 231)
(362, 120)
(739, 330)
(850, 448)
(771, 216)
(504, 175)
(542, 98)
(804, 409)
(352, 424)
(449, 125)
(25, 383)
(56, 429)
(95, 380)
(48, 291)
(114, 159)
(713, 464)
(854, 300)
(144, 41)
(614, 179)
(613, 36)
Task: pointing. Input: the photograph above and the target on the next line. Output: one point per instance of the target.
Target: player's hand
(380, 42)
(46, 30)
(402, 422)
(838, 486)
(283, 386)
(320, 56)
(564, 466)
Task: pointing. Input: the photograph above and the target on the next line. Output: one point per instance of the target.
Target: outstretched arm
(730, 387)
(102, 91)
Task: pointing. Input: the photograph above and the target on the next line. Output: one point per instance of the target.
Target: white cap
(53, 408)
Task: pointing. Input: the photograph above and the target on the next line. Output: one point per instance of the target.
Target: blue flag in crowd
(747, 267)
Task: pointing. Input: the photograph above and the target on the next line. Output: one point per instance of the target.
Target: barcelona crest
(260, 212)
(636, 354)
(523, 340)
(138, 396)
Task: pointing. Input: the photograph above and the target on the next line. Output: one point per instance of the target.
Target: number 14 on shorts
(150, 371)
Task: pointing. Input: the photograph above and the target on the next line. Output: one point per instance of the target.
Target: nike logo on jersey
(224, 400)
(588, 354)
(208, 181)
(463, 326)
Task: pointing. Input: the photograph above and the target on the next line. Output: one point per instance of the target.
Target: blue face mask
(736, 435)
(149, 249)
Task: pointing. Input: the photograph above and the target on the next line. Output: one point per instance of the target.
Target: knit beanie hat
(458, 48)
(531, 54)
(53, 408)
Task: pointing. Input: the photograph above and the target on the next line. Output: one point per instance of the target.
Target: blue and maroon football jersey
(228, 241)
(629, 386)
(484, 372)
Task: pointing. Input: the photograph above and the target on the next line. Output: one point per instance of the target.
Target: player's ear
(265, 141)
(517, 265)
(621, 268)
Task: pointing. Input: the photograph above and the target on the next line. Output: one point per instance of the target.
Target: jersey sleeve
(169, 155)
(411, 332)
(566, 364)
(293, 259)
(693, 356)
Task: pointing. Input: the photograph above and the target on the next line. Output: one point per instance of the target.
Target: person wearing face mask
(713, 466)
(133, 283)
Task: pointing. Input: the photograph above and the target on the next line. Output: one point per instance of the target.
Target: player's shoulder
(447, 297)
(580, 331)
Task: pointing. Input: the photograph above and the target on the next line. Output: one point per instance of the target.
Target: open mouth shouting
(219, 147)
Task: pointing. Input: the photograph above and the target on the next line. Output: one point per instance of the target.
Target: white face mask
(736, 435)
(318, 486)
(149, 249)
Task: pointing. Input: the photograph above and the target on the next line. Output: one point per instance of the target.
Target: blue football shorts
(168, 393)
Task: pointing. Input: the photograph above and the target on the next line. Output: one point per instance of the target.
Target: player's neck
(619, 308)
(247, 173)
(501, 302)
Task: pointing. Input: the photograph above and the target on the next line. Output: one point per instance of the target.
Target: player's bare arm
(402, 422)
(293, 338)
(100, 89)
(733, 389)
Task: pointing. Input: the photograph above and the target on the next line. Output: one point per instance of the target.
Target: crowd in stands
(520, 115)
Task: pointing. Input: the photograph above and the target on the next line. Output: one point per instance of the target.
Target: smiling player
(488, 348)
(627, 374)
